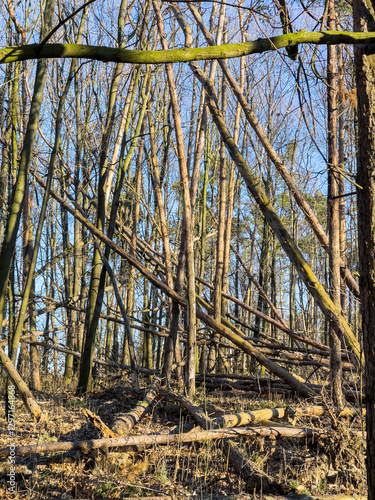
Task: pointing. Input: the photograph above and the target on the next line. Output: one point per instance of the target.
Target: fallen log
(22, 389)
(126, 421)
(99, 424)
(245, 418)
(196, 411)
(165, 439)
(258, 416)
(123, 423)
(318, 411)
(256, 479)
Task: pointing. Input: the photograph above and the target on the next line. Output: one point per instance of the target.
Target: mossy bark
(225, 51)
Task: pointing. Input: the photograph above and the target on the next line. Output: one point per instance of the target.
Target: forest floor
(323, 468)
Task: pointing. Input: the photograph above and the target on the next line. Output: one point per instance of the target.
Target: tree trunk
(333, 213)
(364, 20)
(188, 217)
(25, 393)
(311, 281)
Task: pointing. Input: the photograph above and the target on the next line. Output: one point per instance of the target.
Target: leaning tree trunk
(330, 311)
(25, 393)
(364, 20)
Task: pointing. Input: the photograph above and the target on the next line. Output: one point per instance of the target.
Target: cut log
(250, 417)
(257, 416)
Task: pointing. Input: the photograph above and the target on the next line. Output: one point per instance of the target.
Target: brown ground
(326, 468)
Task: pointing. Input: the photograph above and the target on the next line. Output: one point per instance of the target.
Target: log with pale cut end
(249, 417)
(257, 416)
(317, 411)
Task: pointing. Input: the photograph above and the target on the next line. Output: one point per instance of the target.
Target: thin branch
(251, 9)
(63, 21)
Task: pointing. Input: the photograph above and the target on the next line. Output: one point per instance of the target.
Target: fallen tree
(22, 388)
(166, 439)
(123, 423)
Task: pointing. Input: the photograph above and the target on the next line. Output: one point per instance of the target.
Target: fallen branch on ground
(166, 439)
(125, 422)
(99, 424)
(257, 416)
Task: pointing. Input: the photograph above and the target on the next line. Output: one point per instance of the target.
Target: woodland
(187, 261)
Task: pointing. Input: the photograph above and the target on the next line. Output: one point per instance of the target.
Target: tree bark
(188, 217)
(364, 19)
(333, 205)
(227, 51)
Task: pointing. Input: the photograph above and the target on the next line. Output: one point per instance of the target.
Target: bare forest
(187, 259)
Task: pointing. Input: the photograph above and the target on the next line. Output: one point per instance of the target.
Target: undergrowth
(333, 464)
